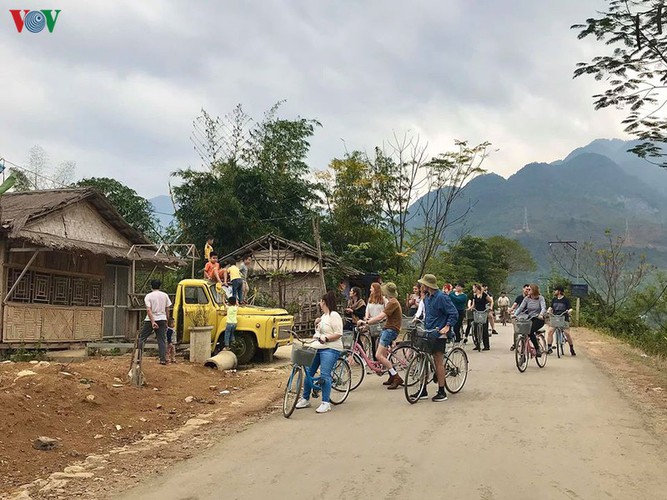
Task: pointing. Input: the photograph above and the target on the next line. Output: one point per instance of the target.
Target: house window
(54, 289)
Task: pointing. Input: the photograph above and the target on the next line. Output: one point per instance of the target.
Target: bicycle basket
(374, 330)
(303, 355)
(558, 322)
(522, 327)
(347, 339)
(481, 316)
(423, 341)
(406, 323)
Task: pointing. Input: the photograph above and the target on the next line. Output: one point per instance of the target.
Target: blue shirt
(440, 311)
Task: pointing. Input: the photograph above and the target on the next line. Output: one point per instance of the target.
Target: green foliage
(634, 70)
(137, 211)
(261, 189)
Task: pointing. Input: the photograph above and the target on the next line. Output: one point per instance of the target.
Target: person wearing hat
(441, 317)
(393, 314)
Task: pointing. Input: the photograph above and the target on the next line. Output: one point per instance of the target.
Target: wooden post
(576, 312)
(25, 270)
(318, 244)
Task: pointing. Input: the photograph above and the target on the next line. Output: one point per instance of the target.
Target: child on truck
(213, 271)
(232, 315)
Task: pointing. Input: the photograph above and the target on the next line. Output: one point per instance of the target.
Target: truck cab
(259, 330)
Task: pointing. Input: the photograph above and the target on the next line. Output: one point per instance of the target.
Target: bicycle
(524, 349)
(421, 369)
(302, 358)
(399, 356)
(558, 323)
(504, 315)
(480, 318)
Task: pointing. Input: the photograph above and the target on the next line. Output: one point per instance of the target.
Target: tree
(636, 69)
(611, 271)
(447, 176)
(137, 211)
(258, 184)
(511, 255)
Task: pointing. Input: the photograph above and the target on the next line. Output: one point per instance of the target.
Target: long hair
(534, 290)
(376, 294)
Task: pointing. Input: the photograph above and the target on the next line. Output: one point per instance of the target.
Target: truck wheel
(245, 347)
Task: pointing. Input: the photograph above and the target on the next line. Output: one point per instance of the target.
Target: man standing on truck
(157, 311)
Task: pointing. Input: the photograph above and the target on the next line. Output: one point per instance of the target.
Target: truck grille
(284, 331)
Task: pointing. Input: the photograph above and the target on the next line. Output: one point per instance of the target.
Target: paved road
(561, 432)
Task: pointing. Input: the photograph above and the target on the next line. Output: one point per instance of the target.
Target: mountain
(163, 209)
(617, 151)
(577, 198)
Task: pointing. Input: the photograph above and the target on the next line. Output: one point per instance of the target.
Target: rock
(98, 436)
(66, 374)
(24, 373)
(196, 422)
(54, 485)
(225, 392)
(73, 475)
(117, 385)
(155, 389)
(143, 419)
(116, 379)
(45, 443)
(21, 495)
(189, 399)
(118, 427)
(8, 362)
(34, 362)
(43, 364)
(172, 411)
(158, 406)
(73, 469)
(90, 397)
(212, 387)
(96, 459)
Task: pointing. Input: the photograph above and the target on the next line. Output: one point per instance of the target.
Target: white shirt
(420, 310)
(329, 324)
(158, 302)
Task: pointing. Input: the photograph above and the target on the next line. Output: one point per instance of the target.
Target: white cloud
(117, 85)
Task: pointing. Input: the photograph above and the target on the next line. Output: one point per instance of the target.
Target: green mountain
(574, 199)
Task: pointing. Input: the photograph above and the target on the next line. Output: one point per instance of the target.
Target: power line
(31, 172)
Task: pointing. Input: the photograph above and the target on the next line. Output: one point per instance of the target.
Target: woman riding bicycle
(560, 305)
(534, 307)
(329, 345)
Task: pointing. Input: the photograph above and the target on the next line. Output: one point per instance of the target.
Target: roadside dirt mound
(89, 407)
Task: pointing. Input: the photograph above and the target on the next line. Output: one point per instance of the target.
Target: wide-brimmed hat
(430, 281)
(390, 289)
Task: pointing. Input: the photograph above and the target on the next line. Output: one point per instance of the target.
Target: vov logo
(35, 20)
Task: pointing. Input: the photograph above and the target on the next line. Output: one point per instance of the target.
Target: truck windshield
(217, 296)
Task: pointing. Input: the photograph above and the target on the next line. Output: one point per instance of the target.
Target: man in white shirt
(157, 312)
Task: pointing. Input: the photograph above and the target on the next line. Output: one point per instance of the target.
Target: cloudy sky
(118, 83)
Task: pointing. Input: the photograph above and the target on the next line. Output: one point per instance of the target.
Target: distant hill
(573, 199)
(164, 210)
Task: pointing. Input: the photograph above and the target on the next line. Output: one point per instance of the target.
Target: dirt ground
(90, 409)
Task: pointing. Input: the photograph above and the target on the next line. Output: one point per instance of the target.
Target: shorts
(387, 337)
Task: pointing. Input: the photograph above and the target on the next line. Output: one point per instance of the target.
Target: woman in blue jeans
(328, 333)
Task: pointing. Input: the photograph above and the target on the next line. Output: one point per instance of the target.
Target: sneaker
(324, 407)
(476, 348)
(572, 351)
(423, 395)
(302, 403)
(550, 350)
(493, 332)
(486, 349)
(441, 396)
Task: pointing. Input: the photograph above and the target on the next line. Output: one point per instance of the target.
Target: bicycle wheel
(357, 369)
(400, 358)
(456, 370)
(542, 360)
(292, 390)
(559, 342)
(520, 354)
(479, 335)
(366, 344)
(415, 378)
(341, 379)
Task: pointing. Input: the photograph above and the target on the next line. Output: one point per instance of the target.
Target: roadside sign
(580, 291)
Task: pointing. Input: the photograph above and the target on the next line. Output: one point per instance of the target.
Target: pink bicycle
(399, 356)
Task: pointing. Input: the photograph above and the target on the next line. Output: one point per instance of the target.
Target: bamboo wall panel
(50, 324)
(87, 325)
(57, 324)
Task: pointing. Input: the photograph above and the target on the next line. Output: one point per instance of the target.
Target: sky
(118, 83)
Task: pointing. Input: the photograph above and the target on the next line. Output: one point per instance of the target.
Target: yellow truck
(260, 330)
